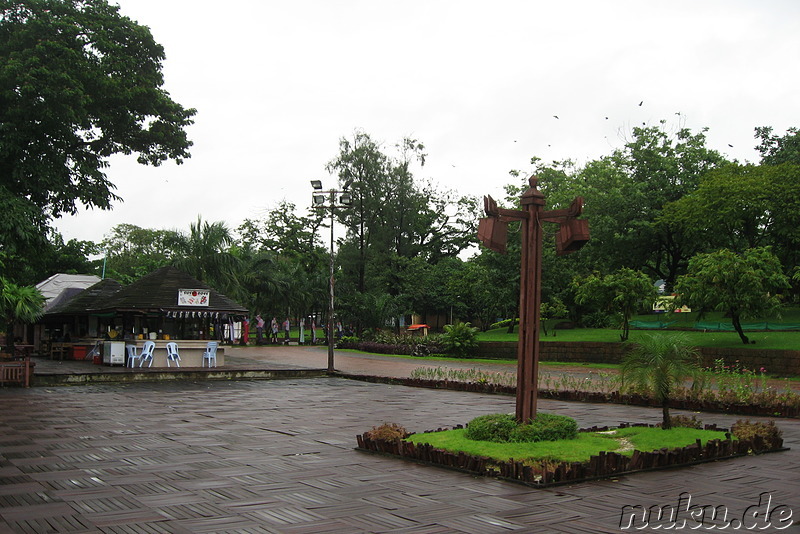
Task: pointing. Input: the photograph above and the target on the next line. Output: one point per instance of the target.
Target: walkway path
(369, 364)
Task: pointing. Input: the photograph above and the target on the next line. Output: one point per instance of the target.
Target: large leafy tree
(624, 292)
(777, 149)
(132, 252)
(744, 206)
(625, 195)
(392, 220)
(284, 265)
(743, 285)
(52, 255)
(283, 231)
(79, 82)
(363, 168)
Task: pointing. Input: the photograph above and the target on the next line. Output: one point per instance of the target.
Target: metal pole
(330, 304)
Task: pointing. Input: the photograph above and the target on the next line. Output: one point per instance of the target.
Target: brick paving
(277, 456)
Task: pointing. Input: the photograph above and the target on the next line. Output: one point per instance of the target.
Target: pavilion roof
(158, 291)
(86, 300)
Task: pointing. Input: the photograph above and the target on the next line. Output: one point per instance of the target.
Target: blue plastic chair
(172, 354)
(147, 353)
(133, 356)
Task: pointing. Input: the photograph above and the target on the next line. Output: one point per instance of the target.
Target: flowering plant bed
(773, 408)
(393, 441)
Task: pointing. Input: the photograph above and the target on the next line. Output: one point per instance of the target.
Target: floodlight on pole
(345, 199)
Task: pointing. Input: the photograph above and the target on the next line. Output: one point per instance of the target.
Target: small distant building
(165, 305)
(62, 287)
(57, 290)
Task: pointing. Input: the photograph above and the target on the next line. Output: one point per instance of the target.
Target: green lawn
(763, 340)
(788, 340)
(578, 450)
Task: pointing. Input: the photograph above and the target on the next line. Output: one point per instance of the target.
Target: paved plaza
(278, 456)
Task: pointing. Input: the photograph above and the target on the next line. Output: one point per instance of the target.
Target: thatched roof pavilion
(166, 303)
(160, 290)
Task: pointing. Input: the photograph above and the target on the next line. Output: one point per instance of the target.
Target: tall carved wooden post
(572, 234)
(530, 299)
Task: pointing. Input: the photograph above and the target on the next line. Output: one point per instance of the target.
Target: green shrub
(495, 427)
(546, 427)
(459, 338)
(503, 428)
(601, 319)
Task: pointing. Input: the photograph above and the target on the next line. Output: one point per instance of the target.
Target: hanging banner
(193, 297)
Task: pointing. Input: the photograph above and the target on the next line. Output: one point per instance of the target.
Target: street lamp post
(334, 199)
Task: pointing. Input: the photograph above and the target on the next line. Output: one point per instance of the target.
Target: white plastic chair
(147, 353)
(172, 354)
(133, 356)
(210, 354)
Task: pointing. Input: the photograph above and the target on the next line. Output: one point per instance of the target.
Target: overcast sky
(278, 83)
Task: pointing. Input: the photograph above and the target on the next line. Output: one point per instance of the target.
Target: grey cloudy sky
(278, 83)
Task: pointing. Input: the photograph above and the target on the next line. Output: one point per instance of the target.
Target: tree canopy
(623, 292)
(78, 83)
(394, 223)
(657, 208)
(743, 285)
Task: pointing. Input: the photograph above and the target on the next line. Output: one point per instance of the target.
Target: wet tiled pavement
(277, 456)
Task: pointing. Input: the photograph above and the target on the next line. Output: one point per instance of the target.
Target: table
(22, 350)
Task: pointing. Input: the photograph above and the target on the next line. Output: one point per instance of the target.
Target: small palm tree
(661, 363)
(18, 303)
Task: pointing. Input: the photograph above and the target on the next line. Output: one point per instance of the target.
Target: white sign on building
(193, 297)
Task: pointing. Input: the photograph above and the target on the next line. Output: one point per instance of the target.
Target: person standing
(259, 329)
(287, 326)
(313, 331)
(273, 327)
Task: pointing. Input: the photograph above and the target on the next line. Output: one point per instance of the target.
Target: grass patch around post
(581, 449)
(597, 452)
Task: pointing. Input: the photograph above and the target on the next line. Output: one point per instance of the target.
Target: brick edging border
(604, 465)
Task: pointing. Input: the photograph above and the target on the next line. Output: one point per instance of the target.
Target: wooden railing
(16, 372)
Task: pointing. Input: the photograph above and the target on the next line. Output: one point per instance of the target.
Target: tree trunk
(738, 326)
(625, 329)
(665, 422)
(10, 337)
